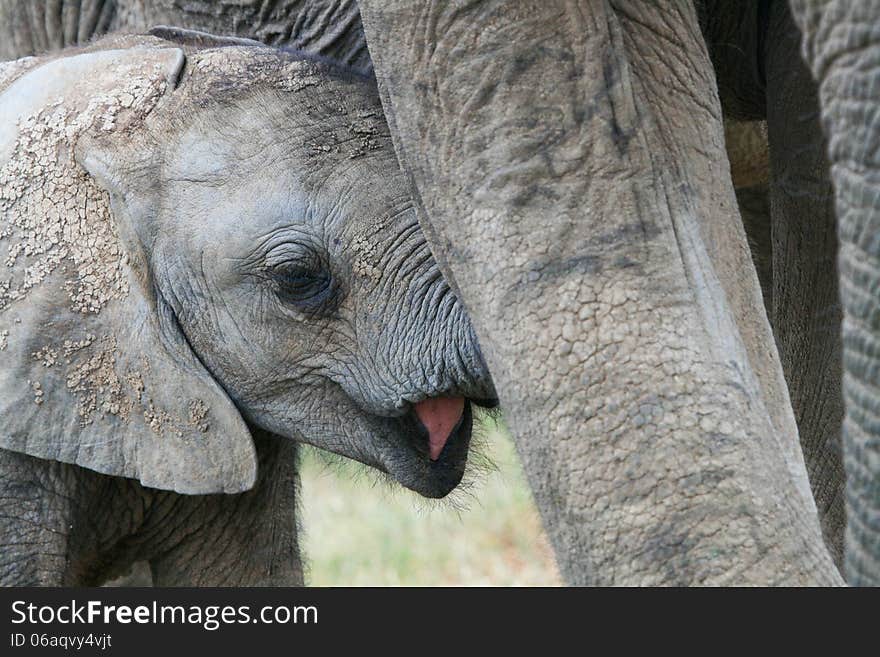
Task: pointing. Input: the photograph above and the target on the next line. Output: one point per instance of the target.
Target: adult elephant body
(326, 27)
(580, 146)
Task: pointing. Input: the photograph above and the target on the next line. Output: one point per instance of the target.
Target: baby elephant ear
(94, 369)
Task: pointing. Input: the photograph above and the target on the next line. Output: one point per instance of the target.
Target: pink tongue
(439, 415)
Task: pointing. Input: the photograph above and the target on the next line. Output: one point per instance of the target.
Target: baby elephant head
(209, 239)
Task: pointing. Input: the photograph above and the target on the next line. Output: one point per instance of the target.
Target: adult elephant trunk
(569, 159)
(842, 46)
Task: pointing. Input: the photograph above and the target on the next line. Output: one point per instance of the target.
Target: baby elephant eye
(306, 288)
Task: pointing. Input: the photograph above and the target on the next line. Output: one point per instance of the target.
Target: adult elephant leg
(569, 159)
(754, 208)
(754, 48)
(748, 152)
(842, 46)
(806, 309)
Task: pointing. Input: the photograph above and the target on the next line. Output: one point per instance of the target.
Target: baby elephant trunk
(461, 369)
(457, 376)
(433, 361)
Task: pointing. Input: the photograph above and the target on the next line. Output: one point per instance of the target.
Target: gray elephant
(789, 217)
(211, 254)
(748, 51)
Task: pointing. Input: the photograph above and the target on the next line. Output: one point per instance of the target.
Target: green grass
(362, 531)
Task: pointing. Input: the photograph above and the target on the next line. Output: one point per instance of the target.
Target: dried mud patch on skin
(366, 129)
(94, 380)
(367, 258)
(38, 392)
(198, 413)
(51, 211)
(57, 236)
(11, 71)
(211, 70)
(47, 356)
(92, 375)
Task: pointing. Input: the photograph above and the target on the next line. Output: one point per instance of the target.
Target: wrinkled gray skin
(275, 287)
(753, 50)
(843, 50)
(574, 185)
(789, 218)
(788, 213)
(329, 27)
(56, 531)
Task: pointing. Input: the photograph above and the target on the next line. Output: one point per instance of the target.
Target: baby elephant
(210, 254)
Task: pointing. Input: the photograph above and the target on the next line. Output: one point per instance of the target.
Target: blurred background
(360, 530)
